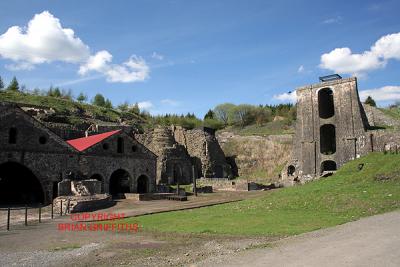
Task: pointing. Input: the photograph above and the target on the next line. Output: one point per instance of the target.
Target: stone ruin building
(332, 128)
(34, 160)
(38, 159)
(183, 153)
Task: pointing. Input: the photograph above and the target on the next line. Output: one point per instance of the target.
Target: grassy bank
(346, 196)
(71, 111)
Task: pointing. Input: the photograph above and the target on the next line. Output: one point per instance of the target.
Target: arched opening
(142, 184)
(98, 177)
(328, 165)
(177, 174)
(18, 185)
(219, 171)
(326, 105)
(327, 139)
(119, 183)
(12, 136)
(290, 171)
(120, 145)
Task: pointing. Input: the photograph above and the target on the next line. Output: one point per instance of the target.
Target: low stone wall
(223, 184)
(72, 204)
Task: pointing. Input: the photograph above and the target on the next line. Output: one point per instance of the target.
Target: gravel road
(372, 241)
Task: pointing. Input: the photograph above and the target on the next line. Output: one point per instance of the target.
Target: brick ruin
(35, 156)
(332, 128)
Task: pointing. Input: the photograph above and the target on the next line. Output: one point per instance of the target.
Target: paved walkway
(372, 241)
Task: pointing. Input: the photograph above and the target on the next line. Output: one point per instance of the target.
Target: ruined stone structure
(33, 160)
(179, 149)
(331, 129)
(174, 164)
(206, 153)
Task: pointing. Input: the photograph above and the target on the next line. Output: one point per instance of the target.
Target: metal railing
(17, 215)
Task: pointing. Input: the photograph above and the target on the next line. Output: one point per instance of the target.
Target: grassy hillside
(269, 128)
(343, 197)
(69, 111)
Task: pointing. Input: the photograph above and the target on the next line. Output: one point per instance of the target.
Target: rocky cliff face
(258, 158)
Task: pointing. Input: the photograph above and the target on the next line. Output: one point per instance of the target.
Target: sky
(180, 56)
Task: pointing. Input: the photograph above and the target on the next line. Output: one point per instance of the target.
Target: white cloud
(300, 69)
(44, 40)
(342, 60)
(337, 19)
(145, 105)
(170, 102)
(385, 93)
(286, 97)
(155, 55)
(133, 70)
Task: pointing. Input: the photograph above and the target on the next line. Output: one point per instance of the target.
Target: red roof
(85, 142)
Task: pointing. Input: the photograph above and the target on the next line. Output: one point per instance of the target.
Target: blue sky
(188, 56)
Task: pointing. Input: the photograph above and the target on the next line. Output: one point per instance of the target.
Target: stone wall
(206, 153)
(173, 161)
(47, 158)
(316, 149)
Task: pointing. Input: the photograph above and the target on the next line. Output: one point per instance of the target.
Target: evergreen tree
(209, 115)
(108, 104)
(135, 109)
(1, 83)
(81, 97)
(124, 107)
(99, 100)
(370, 101)
(13, 86)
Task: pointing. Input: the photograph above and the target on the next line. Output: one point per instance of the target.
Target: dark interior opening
(18, 185)
(142, 184)
(328, 165)
(177, 174)
(120, 145)
(290, 171)
(55, 190)
(98, 177)
(119, 182)
(12, 136)
(326, 106)
(327, 139)
(219, 171)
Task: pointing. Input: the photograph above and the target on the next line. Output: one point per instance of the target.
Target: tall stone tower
(330, 129)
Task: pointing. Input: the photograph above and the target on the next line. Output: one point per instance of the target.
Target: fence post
(8, 219)
(26, 215)
(40, 213)
(194, 181)
(60, 207)
(52, 210)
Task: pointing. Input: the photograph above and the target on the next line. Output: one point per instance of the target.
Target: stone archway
(18, 185)
(142, 184)
(120, 181)
(328, 165)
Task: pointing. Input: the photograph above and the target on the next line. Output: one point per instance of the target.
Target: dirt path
(373, 241)
(132, 208)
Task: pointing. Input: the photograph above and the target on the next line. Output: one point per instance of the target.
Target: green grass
(392, 112)
(270, 128)
(68, 111)
(348, 195)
